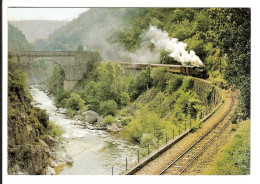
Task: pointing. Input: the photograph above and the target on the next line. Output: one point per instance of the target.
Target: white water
(94, 152)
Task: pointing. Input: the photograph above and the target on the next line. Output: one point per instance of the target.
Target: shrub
(160, 76)
(124, 98)
(75, 102)
(174, 84)
(61, 96)
(55, 130)
(108, 107)
(147, 139)
(108, 120)
(188, 84)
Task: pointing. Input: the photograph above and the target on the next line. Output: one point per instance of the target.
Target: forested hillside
(37, 29)
(30, 135)
(17, 40)
(219, 37)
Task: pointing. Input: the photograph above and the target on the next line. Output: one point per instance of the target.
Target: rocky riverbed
(86, 147)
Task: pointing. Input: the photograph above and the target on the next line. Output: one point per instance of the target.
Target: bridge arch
(73, 63)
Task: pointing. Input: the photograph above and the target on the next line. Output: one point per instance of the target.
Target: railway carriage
(195, 71)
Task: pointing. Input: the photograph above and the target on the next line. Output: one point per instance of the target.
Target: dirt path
(156, 166)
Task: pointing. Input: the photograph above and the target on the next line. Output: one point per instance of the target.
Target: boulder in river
(62, 110)
(68, 159)
(90, 116)
(49, 171)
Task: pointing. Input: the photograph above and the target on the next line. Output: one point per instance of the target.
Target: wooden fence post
(126, 164)
(138, 154)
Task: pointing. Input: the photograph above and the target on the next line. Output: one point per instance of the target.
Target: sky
(44, 13)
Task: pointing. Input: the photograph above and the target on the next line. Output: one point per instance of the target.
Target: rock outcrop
(29, 145)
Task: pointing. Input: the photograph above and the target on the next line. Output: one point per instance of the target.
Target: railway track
(181, 163)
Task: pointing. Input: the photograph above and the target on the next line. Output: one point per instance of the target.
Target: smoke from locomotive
(177, 49)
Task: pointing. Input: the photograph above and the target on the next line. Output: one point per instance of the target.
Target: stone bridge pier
(73, 63)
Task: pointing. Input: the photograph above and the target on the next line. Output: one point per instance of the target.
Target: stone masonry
(73, 63)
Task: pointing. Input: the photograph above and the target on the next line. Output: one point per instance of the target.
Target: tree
(160, 76)
(75, 102)
(108, 107)
(231, 31)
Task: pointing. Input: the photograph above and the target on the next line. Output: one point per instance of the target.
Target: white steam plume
(162, 41)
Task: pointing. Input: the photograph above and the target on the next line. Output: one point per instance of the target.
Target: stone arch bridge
(73, 63)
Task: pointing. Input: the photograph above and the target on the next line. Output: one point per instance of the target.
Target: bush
(174, 84)
(108, 107)
(188, 84)
(160, 76)
(147, 139)
(140, 83)
(75, 102)
(55, 130)
(166, 59)
(124, 98)
(61, 97)
(108, 120)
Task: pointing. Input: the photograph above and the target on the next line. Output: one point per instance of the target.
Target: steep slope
(37, 29)
(17, 40)
(92, 30)
(28, 140)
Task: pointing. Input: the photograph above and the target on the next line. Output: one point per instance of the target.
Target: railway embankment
(160, 163)
(212, 99)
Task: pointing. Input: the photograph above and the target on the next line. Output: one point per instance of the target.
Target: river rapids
(94, 152)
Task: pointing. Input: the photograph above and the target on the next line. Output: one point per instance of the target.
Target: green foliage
(17, 40)
(16, 77)
(160, 76)
(233, 39)
(61, 97)
(108, 120)
(75, 102)
(108, 107)
(42, 116)
(219, 36)
(174, 83)
(124, 99)
(166, 59)
(235, 157)
(148, 138)
(55, 130)
(209, 91)
(188, 84)
(55, 81)
(140, 83)
(145, 122)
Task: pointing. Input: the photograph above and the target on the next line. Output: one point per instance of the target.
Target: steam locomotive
(195, 71)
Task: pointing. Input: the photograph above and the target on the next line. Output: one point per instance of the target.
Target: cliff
(29, 143)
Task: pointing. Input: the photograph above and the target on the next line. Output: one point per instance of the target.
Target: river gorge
(94, 152)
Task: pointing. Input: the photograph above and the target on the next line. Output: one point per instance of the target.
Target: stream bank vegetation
(148, 104)
(153, 102)
(31, 136)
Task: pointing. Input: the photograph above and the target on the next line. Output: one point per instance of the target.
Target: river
(94, 152)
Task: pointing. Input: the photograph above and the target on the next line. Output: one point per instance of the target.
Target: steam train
(195, 71)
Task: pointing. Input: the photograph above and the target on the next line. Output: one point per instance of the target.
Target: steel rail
(198, 142)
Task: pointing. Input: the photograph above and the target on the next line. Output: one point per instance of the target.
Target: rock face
(28, 141)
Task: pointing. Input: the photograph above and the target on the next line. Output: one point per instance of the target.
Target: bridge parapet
(73, 63)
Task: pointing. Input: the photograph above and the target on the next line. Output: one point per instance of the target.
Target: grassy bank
(234, 159)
